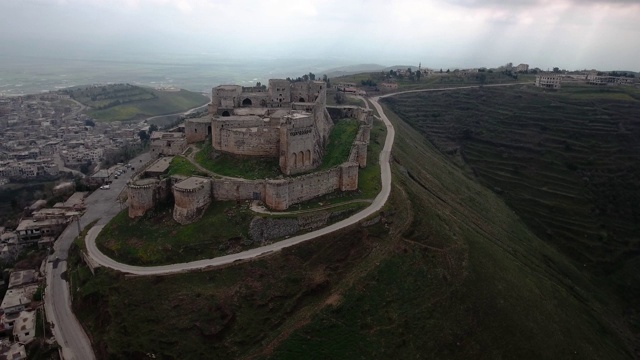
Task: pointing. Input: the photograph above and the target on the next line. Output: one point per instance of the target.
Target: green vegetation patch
(340, 142)
(237, 166)
(369, 181)
(156, 239)
(182, 166)
(134, 102)
(566, 161)
(226, 313)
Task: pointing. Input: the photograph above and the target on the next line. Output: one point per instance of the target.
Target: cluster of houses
(43, 135)
(18, 307)
(41, 226)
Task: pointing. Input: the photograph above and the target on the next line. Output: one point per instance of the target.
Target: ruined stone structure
(197, 129)
(289, 121)
(192, 197)
(167, 143)
(286, 120)
(144, 194)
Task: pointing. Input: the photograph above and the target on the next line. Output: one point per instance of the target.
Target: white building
(548, 81)
(522, 68)
(24, 328)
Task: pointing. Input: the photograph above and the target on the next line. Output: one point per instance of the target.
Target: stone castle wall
(146, 194)
(282, 193)
(257, 141)
(191, 203)
(238, 189)
(196, 130)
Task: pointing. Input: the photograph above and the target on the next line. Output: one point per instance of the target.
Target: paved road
(70, 335)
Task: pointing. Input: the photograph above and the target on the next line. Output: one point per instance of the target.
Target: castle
(286, 120)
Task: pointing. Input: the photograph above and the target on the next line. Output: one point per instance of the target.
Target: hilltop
(448, 271)
(123, 102)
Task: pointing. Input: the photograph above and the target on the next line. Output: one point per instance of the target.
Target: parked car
(105, 187)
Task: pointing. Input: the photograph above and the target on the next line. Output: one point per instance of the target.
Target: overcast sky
(571, 34)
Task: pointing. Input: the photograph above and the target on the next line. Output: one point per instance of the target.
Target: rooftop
(34, 224)
(21, 278)
(160, 166)
(18, 296)
(191, 183)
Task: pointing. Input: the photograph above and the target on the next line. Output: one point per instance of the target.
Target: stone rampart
(255, 141)
(143, 195)
(282, 193)
(196, 130)
(238, 189)
(351, 112)
(349, 176)
(192, 197)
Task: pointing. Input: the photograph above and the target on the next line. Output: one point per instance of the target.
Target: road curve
(375, 206)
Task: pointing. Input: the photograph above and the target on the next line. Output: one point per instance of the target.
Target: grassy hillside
(567, 162)
(451, 272)
(122, 102)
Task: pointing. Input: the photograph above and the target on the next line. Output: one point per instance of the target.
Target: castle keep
(286, 120)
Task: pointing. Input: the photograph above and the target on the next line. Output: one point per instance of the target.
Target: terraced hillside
(567, 162)
(450, 272)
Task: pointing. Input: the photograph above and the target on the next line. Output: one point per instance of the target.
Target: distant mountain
(352, 69)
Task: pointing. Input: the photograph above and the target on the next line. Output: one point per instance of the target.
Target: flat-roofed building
(548, 81)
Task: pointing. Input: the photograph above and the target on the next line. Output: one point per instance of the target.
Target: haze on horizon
(570, 34)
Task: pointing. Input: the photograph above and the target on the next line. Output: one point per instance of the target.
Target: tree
(556, 70)
(325, 78)
(418, 75)
(89, 122)
(440, 70)
(312, 76)
(305, 77)
(448, 71)
(153, 128)
(144, 136)
(409, 71)
(482, 78)
(340, 98)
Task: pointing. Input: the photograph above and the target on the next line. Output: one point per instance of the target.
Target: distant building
(167, 143)
(24, 328)
(608, 80)
(548, 81)
(522, 68)
(389, 85)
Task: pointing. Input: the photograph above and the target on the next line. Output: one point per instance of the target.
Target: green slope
(122, 102)
(452, 272)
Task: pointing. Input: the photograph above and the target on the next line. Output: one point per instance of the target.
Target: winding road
(375, 206)
(102, 206)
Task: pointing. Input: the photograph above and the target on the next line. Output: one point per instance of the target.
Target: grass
(164, 102)
(450, 271)
(156, 239)
(236, 166)
(369, 182)
(339, 145)
(182, 166)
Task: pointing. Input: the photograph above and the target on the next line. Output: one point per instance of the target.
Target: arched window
(247, 102)
(301, 158)
(307, 157)
(301, 99)
(293, 160)
(225, 113)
